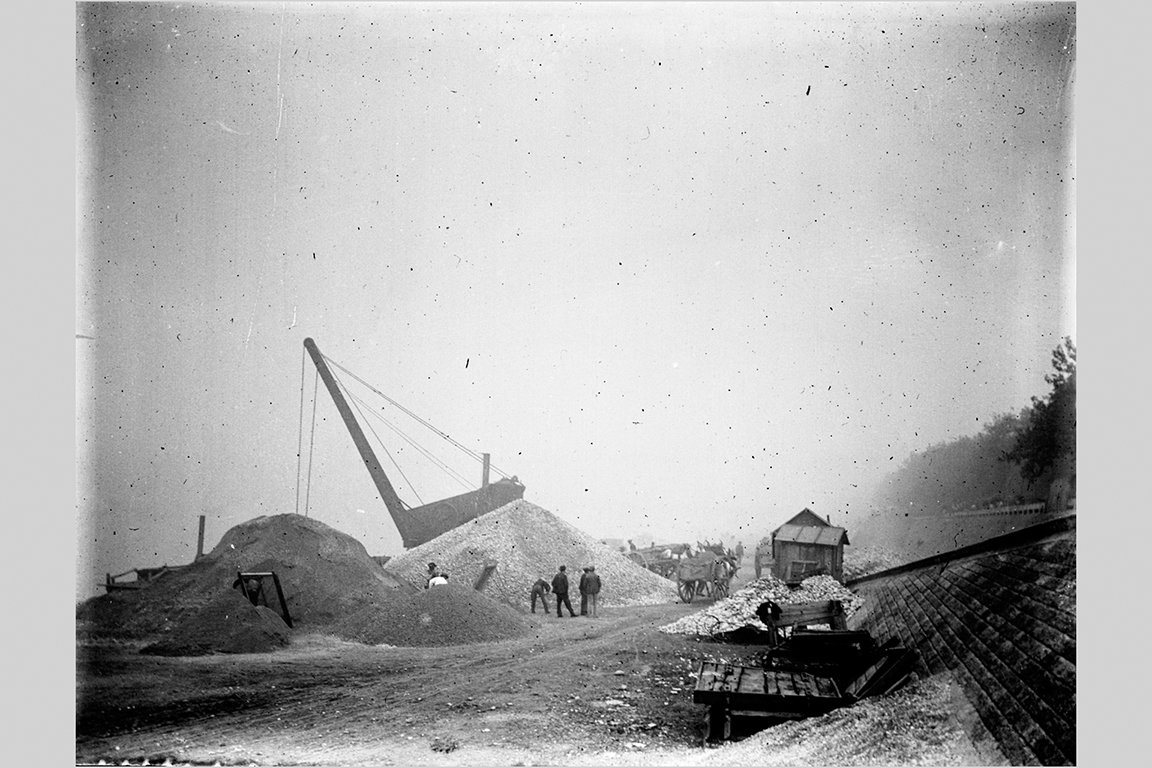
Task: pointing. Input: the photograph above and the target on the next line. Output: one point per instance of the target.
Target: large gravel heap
(326, 576)
(528, 543)
(739, 610)
(452, 614)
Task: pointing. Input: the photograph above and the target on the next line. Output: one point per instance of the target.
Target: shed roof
(807, 517)
(826, 535)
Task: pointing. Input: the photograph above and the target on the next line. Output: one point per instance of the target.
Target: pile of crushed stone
(450, 614)
(862, 561)
(326, 576)
(527, 543)
(739, 609)
(227, 624)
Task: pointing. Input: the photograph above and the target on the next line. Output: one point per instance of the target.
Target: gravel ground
(928, 722)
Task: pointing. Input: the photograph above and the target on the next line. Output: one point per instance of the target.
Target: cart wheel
(721, 589)
(687, 590)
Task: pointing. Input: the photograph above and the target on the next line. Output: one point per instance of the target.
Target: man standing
(560, 589)
(540, 590)
(584, 592)
(593, 589)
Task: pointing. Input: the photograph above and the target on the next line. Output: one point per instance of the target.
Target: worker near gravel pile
(560, 589)
(433, 572)
(584, 592)
(540, 590)
(593, 589)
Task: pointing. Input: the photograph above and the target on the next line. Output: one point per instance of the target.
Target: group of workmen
(589, 592)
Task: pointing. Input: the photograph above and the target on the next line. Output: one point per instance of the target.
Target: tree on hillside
(1046, 440)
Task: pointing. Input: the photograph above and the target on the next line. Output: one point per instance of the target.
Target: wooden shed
(808, 544)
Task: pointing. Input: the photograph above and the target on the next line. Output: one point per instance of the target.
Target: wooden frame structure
(253, 594)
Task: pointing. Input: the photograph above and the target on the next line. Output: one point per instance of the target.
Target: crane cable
(356, 401)
(474, 454)
(311, 442)
(300, 433)
(421, 449)
(300, 438)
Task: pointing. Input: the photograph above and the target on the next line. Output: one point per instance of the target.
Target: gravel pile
(326, 576)
(227, 624)
(451, 614)
(527, 543)
(739, 609)
(861, 561)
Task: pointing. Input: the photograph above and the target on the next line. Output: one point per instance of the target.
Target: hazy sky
(682, 269)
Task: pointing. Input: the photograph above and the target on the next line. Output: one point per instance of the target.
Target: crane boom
(417, 524)
(383, 485)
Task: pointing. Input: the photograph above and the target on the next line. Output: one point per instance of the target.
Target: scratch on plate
(279, 53)
(230, 130)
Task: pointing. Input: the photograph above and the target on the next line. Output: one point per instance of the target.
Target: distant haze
(682, 269)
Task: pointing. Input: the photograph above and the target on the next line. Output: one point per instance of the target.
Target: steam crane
(417, 524)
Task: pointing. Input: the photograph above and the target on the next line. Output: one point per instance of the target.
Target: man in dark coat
(584, 592)
(593, 589)
(560, 589)
(540, 590)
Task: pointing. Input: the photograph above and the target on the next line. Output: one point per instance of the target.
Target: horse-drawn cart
(708, 574)
(661, 559)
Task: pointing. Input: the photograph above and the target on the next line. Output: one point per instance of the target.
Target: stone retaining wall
(1001, 618)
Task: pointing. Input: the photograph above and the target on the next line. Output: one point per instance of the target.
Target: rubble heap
(452, 614)
(739, 610)
(862, 561)
(527, 543)
(326, 575)
(228, 623)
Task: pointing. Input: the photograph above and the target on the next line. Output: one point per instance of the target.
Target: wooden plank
(753, 683)
(895, 670)
(707, 678)
(856, 684)
(722, 679)
(784, 679)
(826, 687)
(773, 687)
(736, 679)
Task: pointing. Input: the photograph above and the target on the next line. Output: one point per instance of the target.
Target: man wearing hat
(584, 592)
(593, 589)
(560, 590)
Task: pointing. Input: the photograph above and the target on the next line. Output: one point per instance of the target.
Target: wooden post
(200, 540)
(484, 477)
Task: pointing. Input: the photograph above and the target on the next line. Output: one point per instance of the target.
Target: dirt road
(578, 690)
